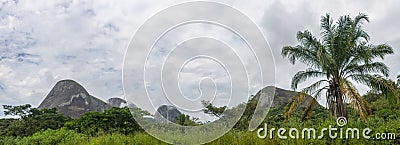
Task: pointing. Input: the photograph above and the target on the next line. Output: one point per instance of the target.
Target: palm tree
(341, 57)
(388, 88)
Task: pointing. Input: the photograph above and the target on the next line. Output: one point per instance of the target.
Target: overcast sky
(44, 42)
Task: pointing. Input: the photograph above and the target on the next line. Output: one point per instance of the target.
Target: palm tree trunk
(336, 104)
(341, 105)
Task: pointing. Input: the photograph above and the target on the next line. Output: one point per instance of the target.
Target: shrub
(115, 120)
(51, 137)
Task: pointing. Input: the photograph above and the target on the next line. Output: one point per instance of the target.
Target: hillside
(281, 96)
(72, 100)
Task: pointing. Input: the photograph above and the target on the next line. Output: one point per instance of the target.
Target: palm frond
(358, 20)
(359, 33)
(379, 84)
(381, 50)
(327, 28)
(293, 104)
(308, 110)
(302, 76)
(356, 101)
(375, 67)
(308, 40)
(313, 87)
(299, 53)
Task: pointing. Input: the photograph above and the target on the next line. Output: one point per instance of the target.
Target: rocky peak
(281, 96)
(166, 113)
(72, 99)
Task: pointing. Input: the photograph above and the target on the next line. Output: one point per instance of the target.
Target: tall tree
(34, 120)
(185, 120)
(341, 57)
(114, 120)
(21, 110)
(212, 110)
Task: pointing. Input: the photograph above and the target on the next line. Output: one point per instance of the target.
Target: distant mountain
(72, 100)
(166, 113)
(281, 96)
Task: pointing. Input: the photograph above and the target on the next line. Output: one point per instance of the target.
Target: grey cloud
(280, 24)
(282, 21)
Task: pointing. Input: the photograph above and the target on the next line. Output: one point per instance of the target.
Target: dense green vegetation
(31, 120)
(108, 127)
(115, 120)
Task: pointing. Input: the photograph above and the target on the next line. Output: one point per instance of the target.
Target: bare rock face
(281, 96)
(116, 102)
(72, 100)
(166, 113)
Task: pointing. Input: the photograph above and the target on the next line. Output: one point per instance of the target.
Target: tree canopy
(340, 58)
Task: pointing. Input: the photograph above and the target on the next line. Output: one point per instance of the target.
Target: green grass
(235, 137)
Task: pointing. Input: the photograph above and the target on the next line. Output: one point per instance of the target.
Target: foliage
(185, 120)
(212, 110)
(388, 89)
(47, 137)
(341, 56)
(4, 124)
(118, 120)
(63, 136)
(21, 110)
(139, 113)
(384, 120)
(388, 114)
(398, 80)
(35, 120)
(371, 96)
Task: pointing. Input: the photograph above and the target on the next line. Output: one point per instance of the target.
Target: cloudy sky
(44, 42)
